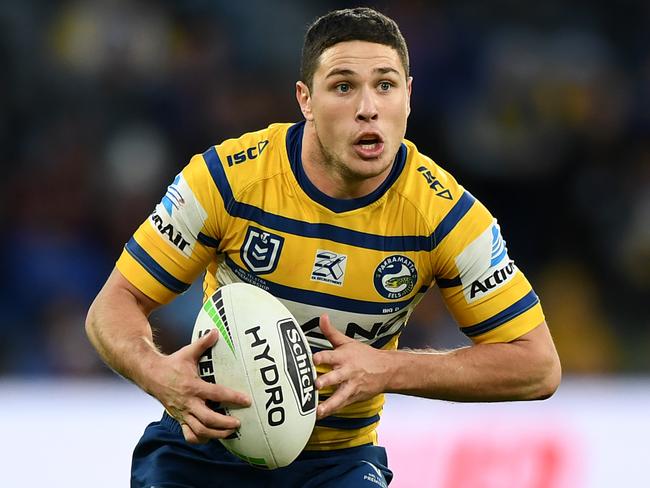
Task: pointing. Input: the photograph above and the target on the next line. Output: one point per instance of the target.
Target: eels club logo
(395, 277)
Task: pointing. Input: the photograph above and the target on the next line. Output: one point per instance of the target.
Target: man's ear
(304, 100)
(409, 88)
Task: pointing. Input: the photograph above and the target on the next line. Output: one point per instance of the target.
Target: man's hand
(184, 394)
(358, 371)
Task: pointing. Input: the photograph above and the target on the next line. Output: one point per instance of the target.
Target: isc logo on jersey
(179, 216)
(486, 264)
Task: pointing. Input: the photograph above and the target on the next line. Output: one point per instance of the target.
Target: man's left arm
(527, 368)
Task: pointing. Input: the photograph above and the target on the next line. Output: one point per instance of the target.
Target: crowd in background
(542, 110)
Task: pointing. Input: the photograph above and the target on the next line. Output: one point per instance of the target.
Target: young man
(350, 225)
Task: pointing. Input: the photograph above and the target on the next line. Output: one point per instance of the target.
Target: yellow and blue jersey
(245, 211)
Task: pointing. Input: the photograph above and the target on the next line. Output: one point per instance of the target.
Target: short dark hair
(351, 24)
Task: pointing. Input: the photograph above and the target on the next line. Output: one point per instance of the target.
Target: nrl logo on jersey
(261, 250)
(487, 264)
(179, 216)
(329, 267)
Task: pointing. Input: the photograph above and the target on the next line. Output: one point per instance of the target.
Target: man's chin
(370, 168)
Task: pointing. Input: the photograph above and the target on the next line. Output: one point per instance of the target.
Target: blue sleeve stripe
(341, 235)
(207, 240)
(154, 269)
(215, 167)
(318, 299)
(454, 216)
(514, 310)
(448, 283)
(346, 423)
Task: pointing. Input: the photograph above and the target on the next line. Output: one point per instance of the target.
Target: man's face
(359, 104)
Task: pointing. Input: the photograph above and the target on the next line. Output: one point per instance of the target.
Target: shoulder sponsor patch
(484, 265)
(179, 217)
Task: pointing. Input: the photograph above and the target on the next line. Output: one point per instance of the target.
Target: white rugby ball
(262, 352)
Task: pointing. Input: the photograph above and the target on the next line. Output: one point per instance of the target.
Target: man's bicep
(118, 286)
(539, 350)
(540, 335)
(540, 341)
(119, 291)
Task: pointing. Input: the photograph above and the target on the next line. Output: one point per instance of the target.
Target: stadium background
(542, 110)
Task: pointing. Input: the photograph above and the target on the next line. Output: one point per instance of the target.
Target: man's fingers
(216, 421)
(339, 399)
(222, 394)
(195, 432)
(331, 333)
(189, 435)
(197, 348)
(325, 357)
(331, 378)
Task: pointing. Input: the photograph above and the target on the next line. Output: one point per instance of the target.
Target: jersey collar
(294, 151)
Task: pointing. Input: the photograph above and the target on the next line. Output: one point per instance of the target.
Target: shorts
(163, 459)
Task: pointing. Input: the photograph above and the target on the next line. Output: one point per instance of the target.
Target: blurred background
(542, 110)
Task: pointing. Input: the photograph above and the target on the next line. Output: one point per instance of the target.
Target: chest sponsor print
(329, 267)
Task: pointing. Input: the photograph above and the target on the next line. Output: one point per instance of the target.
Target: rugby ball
(263, 352)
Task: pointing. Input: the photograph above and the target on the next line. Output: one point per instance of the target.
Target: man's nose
(367, 109)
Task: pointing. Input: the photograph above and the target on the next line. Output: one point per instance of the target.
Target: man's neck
(331, 177)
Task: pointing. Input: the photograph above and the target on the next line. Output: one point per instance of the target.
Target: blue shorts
(163, 459)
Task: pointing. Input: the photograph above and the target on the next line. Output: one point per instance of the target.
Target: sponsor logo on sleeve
(329, 267)
(179, 217)
(173, 199)
(484, 265)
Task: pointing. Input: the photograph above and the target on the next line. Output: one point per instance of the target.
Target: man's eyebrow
(386, 70)
(349, 72)
(340, 72)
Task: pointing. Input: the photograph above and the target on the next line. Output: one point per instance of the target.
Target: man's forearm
(483, 372)
(120, 332)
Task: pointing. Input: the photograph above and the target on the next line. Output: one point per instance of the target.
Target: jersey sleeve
(175, 244)
(487, 294)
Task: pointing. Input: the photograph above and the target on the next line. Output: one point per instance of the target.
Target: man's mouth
(369, 146)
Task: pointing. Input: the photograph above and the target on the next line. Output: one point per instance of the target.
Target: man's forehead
(347, 54)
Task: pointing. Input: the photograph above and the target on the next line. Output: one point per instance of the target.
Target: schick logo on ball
(395, 277)
(298, 366)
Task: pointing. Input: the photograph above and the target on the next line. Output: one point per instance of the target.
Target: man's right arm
(118, 327)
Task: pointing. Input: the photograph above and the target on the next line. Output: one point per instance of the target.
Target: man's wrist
(148, 367)
(398, 371)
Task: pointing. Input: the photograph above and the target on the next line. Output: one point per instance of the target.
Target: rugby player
(348, 224)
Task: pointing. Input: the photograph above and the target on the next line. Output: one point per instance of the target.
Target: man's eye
(343, 87)
(385, 86)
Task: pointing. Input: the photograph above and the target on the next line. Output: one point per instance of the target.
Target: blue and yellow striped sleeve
(487, 294)
(175, 244)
